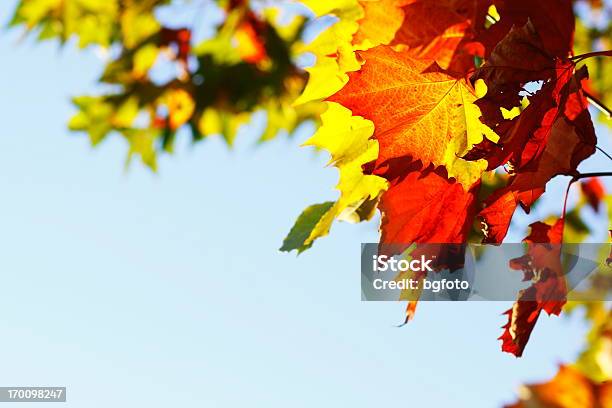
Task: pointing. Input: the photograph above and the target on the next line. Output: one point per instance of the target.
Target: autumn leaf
(548, 139)
(542, 265)
(381, 20)
(553, 19)
(418, 110)
(347, 139)
(448, 38)
(516, 60)
(303, 227)
(333, 49)
(362, 24)
(425, 206)
(522, 318)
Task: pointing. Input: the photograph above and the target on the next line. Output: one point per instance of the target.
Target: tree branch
(577, 177)
(596, 174)
(604, 152)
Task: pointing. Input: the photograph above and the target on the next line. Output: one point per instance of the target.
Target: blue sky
(140, 289)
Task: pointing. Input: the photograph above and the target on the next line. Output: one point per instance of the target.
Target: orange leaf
(418, 110)
(443, 31)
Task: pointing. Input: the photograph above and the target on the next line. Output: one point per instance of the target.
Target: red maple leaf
(542, 265)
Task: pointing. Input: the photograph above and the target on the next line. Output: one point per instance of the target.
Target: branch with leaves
(444, 116)
(210, 86)
(428, 102)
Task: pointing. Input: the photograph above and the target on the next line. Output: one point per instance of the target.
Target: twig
(580, 57)
(577, 177)
(567, 190)
(596, 174)
(598, 104)
(604, 152)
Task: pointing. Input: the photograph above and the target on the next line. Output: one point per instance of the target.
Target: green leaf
(303, 227)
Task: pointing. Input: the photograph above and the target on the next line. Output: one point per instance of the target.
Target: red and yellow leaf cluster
(457, 88)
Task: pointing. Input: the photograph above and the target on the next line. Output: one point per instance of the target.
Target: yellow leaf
(325, 79)
(333, 49)
(347, 139)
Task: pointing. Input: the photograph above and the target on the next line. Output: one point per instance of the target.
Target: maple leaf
(560, 156)
(361, 24)
(519, 58)
(522, 318)
(381, 20)
(425, 206)
(542, 265)
(522, 137)
(449, 37)
(553, 20)
(548, 139)
(418, 111)
(333, 49)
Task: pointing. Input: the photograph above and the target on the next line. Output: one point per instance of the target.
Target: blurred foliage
(568, 389)
(595, 361)
(214, 85)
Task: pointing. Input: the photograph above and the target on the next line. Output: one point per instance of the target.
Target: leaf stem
(579, 57)
(577, 177)
(567, 190)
